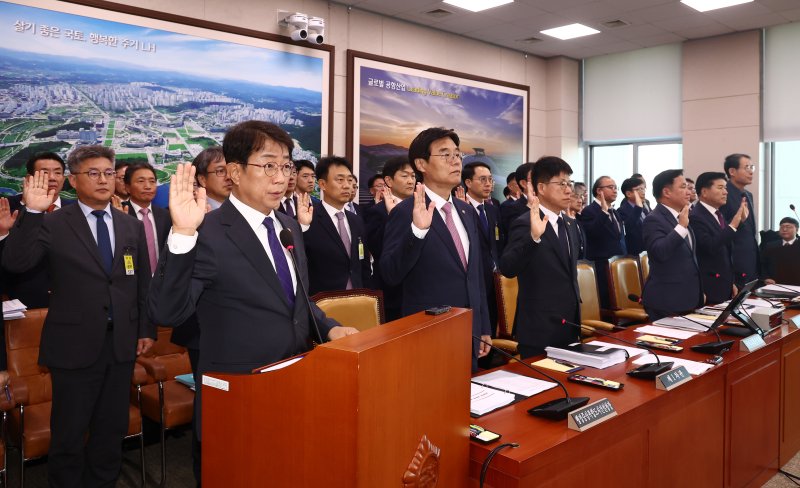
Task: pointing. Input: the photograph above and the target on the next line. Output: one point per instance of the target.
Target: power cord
(791, 477)
(491, 455)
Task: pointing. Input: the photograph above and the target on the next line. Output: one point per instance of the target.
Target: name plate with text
(673, 378)
(587, 417)
(752, 343)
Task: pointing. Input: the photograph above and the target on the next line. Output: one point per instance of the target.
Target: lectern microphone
(555, 409)
(287, 241)
(791, 206)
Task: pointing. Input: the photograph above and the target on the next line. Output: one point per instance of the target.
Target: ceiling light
(477, 5)
(706, 5)
(570, 31)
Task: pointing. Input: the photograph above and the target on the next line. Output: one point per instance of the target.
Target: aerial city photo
(151, 95)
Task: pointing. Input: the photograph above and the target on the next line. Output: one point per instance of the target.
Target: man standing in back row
(740, 169)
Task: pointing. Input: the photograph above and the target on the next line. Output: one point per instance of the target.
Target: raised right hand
(638, 199)
(388, 199)
(35, 193)
(7, 218)
(187, 207)
(538, 224)
(422, 215)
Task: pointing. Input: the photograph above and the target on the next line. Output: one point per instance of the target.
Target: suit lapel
(80, 226)
(552, 239)
(119, 236)
(327, 223)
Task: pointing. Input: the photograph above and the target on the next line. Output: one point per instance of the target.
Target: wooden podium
(388, 407)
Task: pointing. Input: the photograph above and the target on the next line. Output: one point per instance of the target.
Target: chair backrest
(162, 345)
(644, 263)
(22, 348)
(506, 291)
(624, 280)
(590, 296)
(360, 307)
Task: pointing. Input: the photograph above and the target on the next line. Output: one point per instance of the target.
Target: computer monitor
(734, 308)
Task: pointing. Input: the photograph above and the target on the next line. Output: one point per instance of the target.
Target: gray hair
(82, 153)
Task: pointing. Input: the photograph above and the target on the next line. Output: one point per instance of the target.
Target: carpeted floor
(782, 481)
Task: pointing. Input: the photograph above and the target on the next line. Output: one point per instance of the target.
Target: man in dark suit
(577, 201)
(97, 323)
(399, 179)
(212, 174)
(511, 209)
(432, 243)
(673, 287)
(338, 258)
(233, 272)
(632, 213)
(305, 179)
(715, 236)
(7, 219)
(288, 203)
(541, 253)
(141, 183)
(33, 287)
(776, 252)
(604, 232)
(739, 169)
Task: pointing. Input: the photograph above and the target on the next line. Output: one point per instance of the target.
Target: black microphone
(635, 298)
(287, 241)
(555, 409)
(791, 206)
(647, 371)
(717, 347)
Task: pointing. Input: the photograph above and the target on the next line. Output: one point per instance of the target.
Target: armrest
(5, 403)
(20, 389)
(153, 367)
(167, 367)
(598, 324)
(139, 375)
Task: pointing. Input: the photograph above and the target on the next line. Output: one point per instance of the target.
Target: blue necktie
(281, 264)
(484, 220)
(104, 241)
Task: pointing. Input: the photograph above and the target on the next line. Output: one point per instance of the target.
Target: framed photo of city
(391, 101)
(154, 87)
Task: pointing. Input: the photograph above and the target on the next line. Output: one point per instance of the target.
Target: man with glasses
(338, 258)
(632, 214)
(740, 169)
(541, 253)
(577, 203)
(605, 235)
(97, 322)
(432, 242)
(212, 174)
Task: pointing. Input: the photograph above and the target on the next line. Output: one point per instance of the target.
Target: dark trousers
(194, 356)
(91, 401)
(603, 286)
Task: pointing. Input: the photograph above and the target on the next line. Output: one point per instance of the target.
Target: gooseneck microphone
(791, 206)
(647, 371)
(287, 241)
(555, 409)
(714, 347)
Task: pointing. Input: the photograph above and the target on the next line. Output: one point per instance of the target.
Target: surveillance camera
(316, 30)
(297, 20)
(299, 35)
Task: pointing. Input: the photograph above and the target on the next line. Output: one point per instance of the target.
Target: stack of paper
(665, 331)
(13, 309)
(587, 355)
(632, 351)
(483, 399)
(513, 383)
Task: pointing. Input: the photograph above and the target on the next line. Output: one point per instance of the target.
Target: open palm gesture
(187, 207)
(538, 224)
(422, 215)
(35, 193)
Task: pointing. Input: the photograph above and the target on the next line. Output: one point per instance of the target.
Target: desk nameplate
(673, 378)
(587, 417)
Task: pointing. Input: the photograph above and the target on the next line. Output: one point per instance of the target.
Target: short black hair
(630, 184)
(506, 191)
(663, 180)
(522, 172)
(325, 164)
(395, 164)
(548, 167)
(245, 138)
(303, 163)
(511, 177)
(134, 168)
(203, 160)
(420, 147)
(689, 180)
(707, 179)
(121, 164)
(637, 175)
(82, 153)
(732, 161)
(579, 183)
(469, 170)
(596, 185)
(789, 220)
(371, 180)
(31, 164)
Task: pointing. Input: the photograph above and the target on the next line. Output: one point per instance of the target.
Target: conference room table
(732, 426)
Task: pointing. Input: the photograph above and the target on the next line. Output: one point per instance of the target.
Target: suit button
(295, 322)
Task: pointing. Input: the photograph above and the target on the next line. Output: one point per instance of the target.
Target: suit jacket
(510, 210)
(548, 286)
(674, 284)
(746, 266)
(604, 237)
(713, 250)
(15, 202)
(282, 209)
(581, 236)
(375, 218)
(775, 257)
(490, 242)
(329, 265)
(632, 219)
(162, 220)
(430, 270)
(82, 293)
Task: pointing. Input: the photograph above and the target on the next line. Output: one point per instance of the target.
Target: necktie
(484, 219)
(451, 227)
(614, 219)
(345, 240)
(721, 219)
(51, 208)
(562, 237)
(289, 209)
(352, 207)
(281, 264)
(104, 241)
(150, 237)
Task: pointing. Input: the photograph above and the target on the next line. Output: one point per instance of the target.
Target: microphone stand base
(559, 408)
(713, 347)
(650, 371)
(736, 331)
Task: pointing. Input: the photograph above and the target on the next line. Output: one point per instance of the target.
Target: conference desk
(732, 426)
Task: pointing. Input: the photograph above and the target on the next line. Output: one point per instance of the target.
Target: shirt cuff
(181, 243)
(682, 231)
(732, 227)
(304, 227)
(419, 233)
(3, 237)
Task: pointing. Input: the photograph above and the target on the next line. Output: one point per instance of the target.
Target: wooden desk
(732, 426)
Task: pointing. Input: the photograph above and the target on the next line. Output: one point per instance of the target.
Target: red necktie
(721, 219)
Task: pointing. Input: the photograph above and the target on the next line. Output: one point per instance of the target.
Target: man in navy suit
(632, 213)
(746, 263)
(432, 242)
(605, 235)
(542, 251)
(212, 174)
(140, 183)
(776, 253)
(33, 287)
(288, 203)
(338, 258)
(715, 236)
(305, 180)
(673, 287)
(511, 209)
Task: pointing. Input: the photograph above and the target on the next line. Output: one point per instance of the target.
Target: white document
(682, 323)
(483, 399)
(781, 288)
(665, 332)
(632, 351)
(282, 365)
(13, 306)
(514, 383)
(693, 367)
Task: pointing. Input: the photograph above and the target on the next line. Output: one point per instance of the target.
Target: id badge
(360, 250)
(496, 233)
(128, 259)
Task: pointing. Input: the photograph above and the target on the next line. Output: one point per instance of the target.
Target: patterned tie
(451, 227)
(104, 241)
(720, 218)
(484, 219)
(281, 264)
(150, 237)
(345, 240)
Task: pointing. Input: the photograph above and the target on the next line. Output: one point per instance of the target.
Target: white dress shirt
(331, 210)
(139, 216)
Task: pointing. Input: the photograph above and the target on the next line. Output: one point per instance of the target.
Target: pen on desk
(564, 363)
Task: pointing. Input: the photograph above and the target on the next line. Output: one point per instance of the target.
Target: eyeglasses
(449, 157)
(610, 187)
(749, 167)
(221, 172)
(95, 174)
(484, 179)
(563, 184)
(271, 169)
